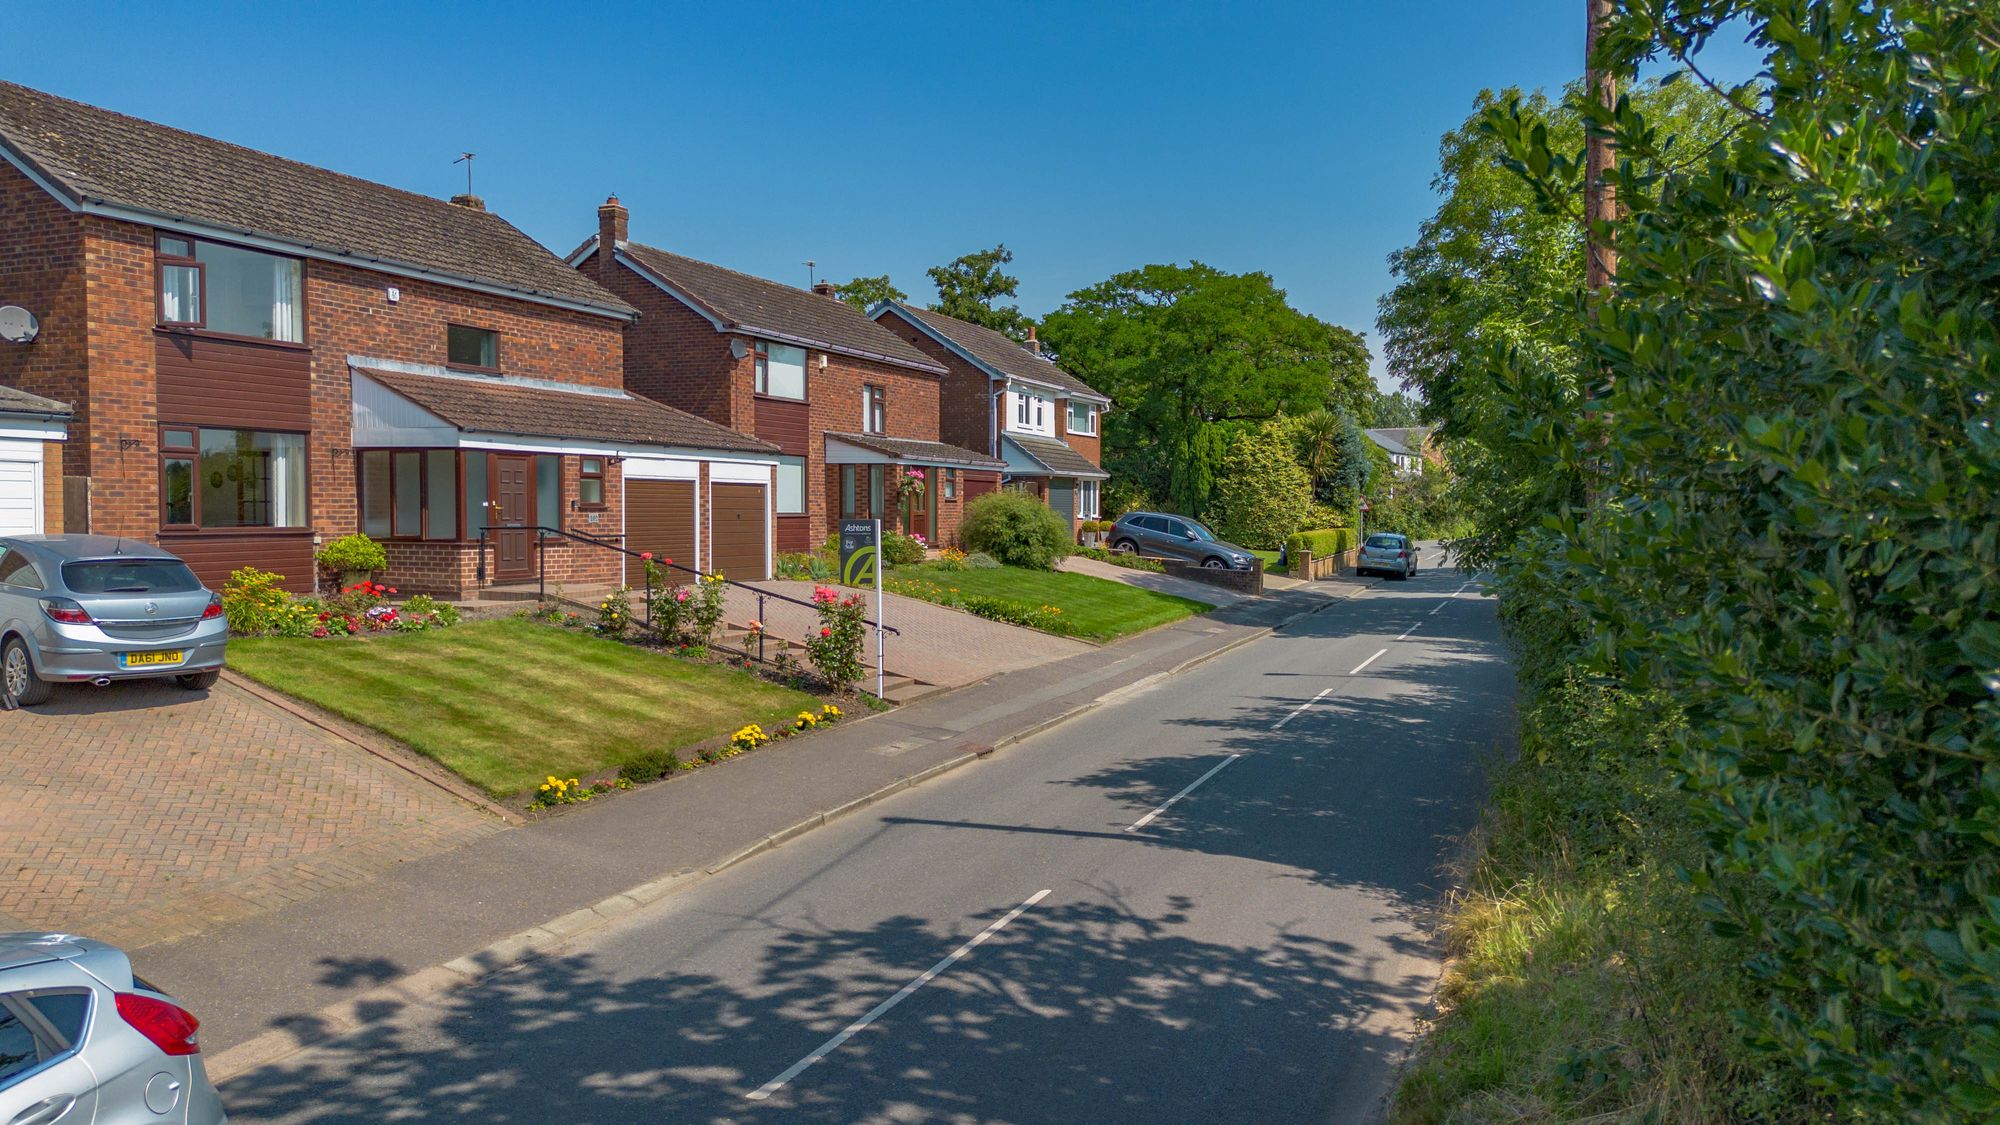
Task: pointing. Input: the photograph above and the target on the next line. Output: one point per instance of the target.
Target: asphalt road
(1048, 935)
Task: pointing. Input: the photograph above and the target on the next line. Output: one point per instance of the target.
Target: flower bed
(256, 604)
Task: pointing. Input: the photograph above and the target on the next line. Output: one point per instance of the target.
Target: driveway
(1148, 580)
(140, 813)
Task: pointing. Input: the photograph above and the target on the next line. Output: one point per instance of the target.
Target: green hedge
(1327, 541)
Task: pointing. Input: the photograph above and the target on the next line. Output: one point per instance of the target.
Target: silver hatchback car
(94, 609)
(1387, 553)
(82, 1039)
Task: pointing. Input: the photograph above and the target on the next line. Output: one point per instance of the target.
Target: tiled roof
(921, 452)
(492, 406)
(21, 402)
(97, 157)
(1055, 456)
(756, 306)
(999, 351)
(1407, 440)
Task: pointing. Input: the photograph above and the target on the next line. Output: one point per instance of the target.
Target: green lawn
(1271, 564)
(1093, 608)
(506, 703)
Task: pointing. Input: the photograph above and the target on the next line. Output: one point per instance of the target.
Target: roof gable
(99, 160)
(996, 352)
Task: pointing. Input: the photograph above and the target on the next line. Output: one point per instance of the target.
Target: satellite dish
(18, 325)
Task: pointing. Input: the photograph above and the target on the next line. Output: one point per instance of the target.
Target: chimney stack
(826, 289)
(468, 201)
(612, 219)
(1033, 344)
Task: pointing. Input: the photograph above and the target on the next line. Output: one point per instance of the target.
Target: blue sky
(882, 138)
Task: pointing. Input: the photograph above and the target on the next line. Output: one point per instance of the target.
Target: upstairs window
(472, 347)
(1031, 414)
(874, 409)
(1082, 418)
(781, 370)
(229, 289)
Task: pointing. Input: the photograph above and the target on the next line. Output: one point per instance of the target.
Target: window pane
(787, 372)
(375, 493)
(18, 1050)
(177, 248)
(180, 294)
(441, 494)
(67, 1011)
(875, 503)
(179, 487)
(250, 293)
(250, 479)
(847, 492)
(548, 491)
(791, 485)
(590, 490)
(1079, 418)
(409, 493)
(472, 347)
(177, 439)
(593, 466)
(475, 494)
(134, 576)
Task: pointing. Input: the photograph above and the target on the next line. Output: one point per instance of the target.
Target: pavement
(142, 812)
(1201, 898)
(1147, 580)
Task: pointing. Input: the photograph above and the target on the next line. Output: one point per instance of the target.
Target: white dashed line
(1148, 818)
(1367, 662)
(1301, 707)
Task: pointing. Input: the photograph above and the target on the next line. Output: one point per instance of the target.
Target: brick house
(1008, 400)
(263, 355)
(32, 430)
(852, 408)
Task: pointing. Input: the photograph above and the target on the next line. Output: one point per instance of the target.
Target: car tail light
(1402, 554)
(166, 1025)
(214, 609)
(63, 611)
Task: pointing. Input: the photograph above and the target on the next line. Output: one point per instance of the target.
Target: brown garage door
(659, 517)
(737, 519)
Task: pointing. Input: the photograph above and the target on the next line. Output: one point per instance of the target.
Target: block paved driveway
(141, 813)
(941, 646)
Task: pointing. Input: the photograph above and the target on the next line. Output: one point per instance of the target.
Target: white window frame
(1087, 499)
(870, 393)
(1089, 415)
(1031, 414)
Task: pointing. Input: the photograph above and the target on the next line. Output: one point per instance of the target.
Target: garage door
(737, 517)
(20, 482)
(659, 517)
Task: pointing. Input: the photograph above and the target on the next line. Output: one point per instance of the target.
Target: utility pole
(1600, 156)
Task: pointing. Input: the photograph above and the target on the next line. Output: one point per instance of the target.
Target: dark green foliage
(1422, 506)
(1323, 543)
(1335, 453)
(650, 765)
(1262, 494)
(865, 293)
(899, 549)
(971, 286)
(1016, 529)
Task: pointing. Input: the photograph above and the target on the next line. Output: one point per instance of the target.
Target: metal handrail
(541, 568)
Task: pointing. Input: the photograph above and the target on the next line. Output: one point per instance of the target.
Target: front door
(513, 513)
(917, 508)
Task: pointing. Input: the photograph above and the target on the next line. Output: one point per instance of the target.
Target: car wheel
(1125, 547)
(1213, 563)
(199, 681)
(17, 675)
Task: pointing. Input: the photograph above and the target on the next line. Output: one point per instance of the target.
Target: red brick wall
(123, 434)
(41, 269)
(52, 488)
(965, 406)
(1090, 445)
(835, 395)
(675, 356)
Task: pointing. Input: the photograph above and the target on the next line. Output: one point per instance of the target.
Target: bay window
(230, 289)
(216, 478)
(781, 370)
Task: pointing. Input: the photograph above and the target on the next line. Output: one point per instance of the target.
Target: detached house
(852, 409)
(1007, 399)
(261, 355)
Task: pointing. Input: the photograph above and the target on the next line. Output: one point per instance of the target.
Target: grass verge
(1271, 563)
(505, 703)
(1093, 608)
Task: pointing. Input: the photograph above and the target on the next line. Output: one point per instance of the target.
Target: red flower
(825, 632)
(392, 589)
(646, 555)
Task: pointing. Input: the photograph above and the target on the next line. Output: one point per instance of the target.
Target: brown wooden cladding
(234, 383)
(736, 519)
(659, 517)
(795, 533)
(785, 424)
(212, 555)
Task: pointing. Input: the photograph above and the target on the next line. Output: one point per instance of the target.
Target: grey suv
(82, 1039)
(93, 609)
(1160, 535)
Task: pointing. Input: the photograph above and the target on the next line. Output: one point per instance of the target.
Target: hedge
(1327, 541)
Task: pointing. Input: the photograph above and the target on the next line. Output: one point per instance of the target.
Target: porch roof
(1038, 457)
(875, 449)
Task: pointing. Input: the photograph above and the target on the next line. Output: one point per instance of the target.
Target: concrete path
(1201, 901)
(1147, 580)
(141, 811)
(936, 644)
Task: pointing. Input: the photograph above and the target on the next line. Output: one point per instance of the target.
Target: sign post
(860, 565)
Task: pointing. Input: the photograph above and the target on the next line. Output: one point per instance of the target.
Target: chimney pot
(468, 201)
(612, 221)
(826, 289)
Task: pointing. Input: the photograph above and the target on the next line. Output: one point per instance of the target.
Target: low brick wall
(1305, 564)
(1249, 582)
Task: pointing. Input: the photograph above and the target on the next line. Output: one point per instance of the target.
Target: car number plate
(151, 659)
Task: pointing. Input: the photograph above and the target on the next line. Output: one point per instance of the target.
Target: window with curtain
(413, 493)
(231, 478)
(230, 289)
(781, 370)
(874, 409)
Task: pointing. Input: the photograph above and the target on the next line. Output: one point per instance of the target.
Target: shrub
(255, 601)
(651, 765)
(901, 550)
(1323, 543)
(835, 649)
(980, 560)
(351, 554)
(951, 558)
(614, 613)
(804, 566)
(1262, 493)
(707, 611)
(1016, 529)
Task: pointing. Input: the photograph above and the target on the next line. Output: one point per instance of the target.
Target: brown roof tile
(489, 405)
(998, 351)
(756, 306)
(97, 156)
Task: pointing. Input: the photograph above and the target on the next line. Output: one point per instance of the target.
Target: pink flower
(646, 555)
(825, 632)
(681, 593)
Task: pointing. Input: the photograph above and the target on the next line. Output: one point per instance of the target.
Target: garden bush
(980, 560)
(353, 554)
(902, 550)
(1262, 493)
(1323, 543)
(1016, 529)
(835, 647)
(651, 765)
(256, 602)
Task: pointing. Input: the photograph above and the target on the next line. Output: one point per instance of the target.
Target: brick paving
(937, 645)
(143, 813)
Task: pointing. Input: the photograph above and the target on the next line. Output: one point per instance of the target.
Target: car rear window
(130, 576)
(1385, 540)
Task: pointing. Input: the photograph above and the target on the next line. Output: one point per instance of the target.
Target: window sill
(763, 397)
(231, 337)
(469, 369)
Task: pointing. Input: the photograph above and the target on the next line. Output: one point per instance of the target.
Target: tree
(1334, 453)
(865, 293)
(1396, 409)
(1262, 493)
(1193, 355)
(970, 286)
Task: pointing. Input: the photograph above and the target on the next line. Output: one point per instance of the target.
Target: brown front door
(917, 507)
(513, 507)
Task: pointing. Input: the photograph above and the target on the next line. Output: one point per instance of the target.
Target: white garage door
(20, 496)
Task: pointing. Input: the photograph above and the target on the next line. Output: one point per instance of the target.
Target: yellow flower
(545, 786)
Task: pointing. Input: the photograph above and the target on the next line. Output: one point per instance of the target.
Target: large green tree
(971, 287)
(865, 293)
(1192, 355)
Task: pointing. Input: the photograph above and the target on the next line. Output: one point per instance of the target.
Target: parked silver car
(94, 609)
(1387, 553)
(82, 1039)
